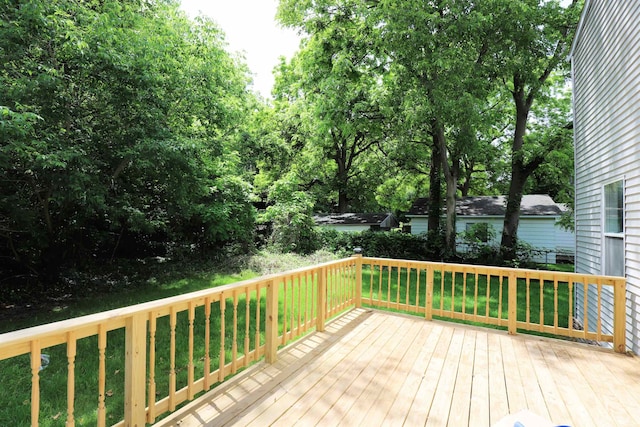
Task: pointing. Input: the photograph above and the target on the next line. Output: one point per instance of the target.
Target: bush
(383, 244)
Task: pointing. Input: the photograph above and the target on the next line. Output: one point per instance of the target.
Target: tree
(336, 89)
(437, 50)
(533, 40)
(121, 123)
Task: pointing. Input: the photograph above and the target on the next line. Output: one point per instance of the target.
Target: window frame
(609, 234)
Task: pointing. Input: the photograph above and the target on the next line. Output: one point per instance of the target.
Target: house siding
(419, 225)
(348, 228)
(606, 78)
(539, 232)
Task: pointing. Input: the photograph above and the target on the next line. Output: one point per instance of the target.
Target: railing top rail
(64, 326)
(607, 280)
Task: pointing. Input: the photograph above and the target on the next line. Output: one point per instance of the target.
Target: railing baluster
(555, 305)
(418, 273)
(464, 293)
(284, 314)
(428, 303)
(151, 417)
(247, 323)
(299, 305)
(408, 287)
(599, 324)
(271, 333)
(389, 287)
(380, 269)
(501, 283)
(234, 343)
(585, 315)
(258, 303)
(221, 365)
(454, 278)
(102, 346)
(475, 295)
(488, 297)
(36, 363)
(570, 285)
(528, 308)
(442, 278)
(306, 303)
(207, 342)
(398, 288)
(190, 366)
(292, 315)
(71, 377)
(541, 319)
(321, 299)
(172, 358)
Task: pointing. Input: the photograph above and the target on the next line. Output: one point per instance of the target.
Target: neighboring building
(605, 61)
(352, 222)
(538, 227)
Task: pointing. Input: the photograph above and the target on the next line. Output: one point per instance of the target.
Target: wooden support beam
(619, 316)
(513, 303)
(135, 370)
(358, 258)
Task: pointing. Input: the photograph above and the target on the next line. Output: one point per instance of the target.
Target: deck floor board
(373, 368)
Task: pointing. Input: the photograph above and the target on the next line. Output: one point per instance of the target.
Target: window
(613, 236)
(613, 208)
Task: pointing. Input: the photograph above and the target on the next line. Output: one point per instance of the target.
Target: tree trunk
(343, 200)
(512, 215)
(435, 188)
(519, 173)
(451, 179)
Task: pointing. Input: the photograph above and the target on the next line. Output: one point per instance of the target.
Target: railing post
(322, 299)
(358, 258)
(271, 325)
(619, 316)
(513, 302)
(428, 304)
(135, 370)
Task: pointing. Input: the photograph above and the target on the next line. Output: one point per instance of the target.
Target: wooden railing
(517, 299)
(178, 347)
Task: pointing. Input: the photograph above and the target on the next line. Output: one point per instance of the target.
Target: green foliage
(389, 244)
(293, 228)
(119, 131)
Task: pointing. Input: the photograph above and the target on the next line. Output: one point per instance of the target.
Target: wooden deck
(376, 368)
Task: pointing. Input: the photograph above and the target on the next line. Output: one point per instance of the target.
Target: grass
(15, 374)
(387, 286)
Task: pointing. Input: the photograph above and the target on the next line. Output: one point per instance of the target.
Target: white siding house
(605, 61)
(538, 227)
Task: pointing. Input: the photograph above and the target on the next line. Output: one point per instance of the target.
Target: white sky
(251, 29)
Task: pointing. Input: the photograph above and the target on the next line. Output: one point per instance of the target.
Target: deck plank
(480, 390)
(376, 368)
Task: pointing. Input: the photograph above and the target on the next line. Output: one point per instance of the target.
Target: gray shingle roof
(355, 218)
(532, 204)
